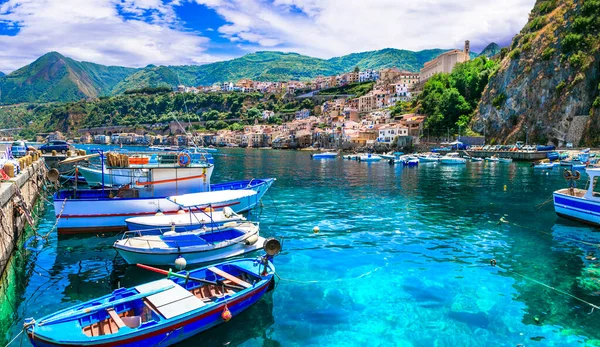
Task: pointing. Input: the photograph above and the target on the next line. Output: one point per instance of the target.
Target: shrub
(577, 59)
(515, 53)
(547, 6)
(527, 46)
(560, 86)
(499, 100)
(572, 42)
(547, 53)
(537, 23)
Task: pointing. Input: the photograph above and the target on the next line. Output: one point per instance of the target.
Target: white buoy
(180, 262)
(228, 212)
(316, 230)
(159, 213)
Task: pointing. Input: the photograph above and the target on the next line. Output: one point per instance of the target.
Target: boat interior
(178, 297)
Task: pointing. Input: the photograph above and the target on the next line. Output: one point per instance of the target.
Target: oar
(72, 314)
(187, 277)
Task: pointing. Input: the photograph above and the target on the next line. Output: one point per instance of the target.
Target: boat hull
(132, 256)
(172, 331)
(576, 208)
(88, 215)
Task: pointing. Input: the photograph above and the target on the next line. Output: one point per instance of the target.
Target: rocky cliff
(548, 84)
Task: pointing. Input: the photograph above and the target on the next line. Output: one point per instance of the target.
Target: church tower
(467, 49)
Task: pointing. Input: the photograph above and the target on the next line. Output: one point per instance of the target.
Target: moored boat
(87, 210)
(162, 312)
(429, 158)
(579, 204)
(505, 160)
(197, 246)
(325, 155)
(185, 220)
(369, 158)
(453, 159)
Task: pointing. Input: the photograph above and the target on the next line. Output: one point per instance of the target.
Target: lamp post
(526, 133)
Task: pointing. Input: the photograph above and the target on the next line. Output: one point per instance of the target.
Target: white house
(387, 134)
(302, 114)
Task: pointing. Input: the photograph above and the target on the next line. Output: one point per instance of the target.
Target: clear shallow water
(402, 258)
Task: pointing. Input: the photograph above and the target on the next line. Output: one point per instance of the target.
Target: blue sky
(172, 32)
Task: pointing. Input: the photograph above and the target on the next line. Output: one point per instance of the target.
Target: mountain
(547, 87)
(2, 73)
(490, 50)
(53, 77)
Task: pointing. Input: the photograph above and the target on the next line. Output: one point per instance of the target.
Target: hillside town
(338, 121)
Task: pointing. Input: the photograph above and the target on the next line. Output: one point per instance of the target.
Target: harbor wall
(12, 219)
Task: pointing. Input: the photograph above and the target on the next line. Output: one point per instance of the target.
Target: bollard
(83, 152)
(54, 153)
(9, 168)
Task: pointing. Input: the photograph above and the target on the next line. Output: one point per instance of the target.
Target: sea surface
(402, 258)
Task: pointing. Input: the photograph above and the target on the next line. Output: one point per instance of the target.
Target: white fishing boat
(88, 210)
(453, 159)
(505, 160)
(199, 246)
(388, 156)
(350, 157)
(369, 158)
(185, 220)
(429, 158)
(325, 155)
(580, 204)
(493, 159)
(476, 160)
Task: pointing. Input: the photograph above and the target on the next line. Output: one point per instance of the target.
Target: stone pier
(12, 219)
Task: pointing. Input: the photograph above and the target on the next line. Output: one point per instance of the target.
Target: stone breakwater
(17, 198)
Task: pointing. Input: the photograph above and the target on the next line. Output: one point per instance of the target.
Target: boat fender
(493, 262)
(184, 159)
(252, 240)
(576, 175)
(272, 247)
(226, 314)
(170, 233)
(228, 212)
(230, 224)
(180, 262)
(180, 211)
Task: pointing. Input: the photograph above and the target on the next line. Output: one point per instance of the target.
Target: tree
(253, 114)
(356, 69)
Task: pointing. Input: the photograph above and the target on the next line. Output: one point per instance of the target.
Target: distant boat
(197, 246)
(545, 165)
(453, 159)
(325, 155)
(350, 157)
(492, 159)
(429, 158)
(369, 158)
(476, 160)
(579, 204)
(505, 160)
(159, 313)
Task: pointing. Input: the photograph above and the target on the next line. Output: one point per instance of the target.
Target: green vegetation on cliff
(549, 80)
(450, 99)
(356, 89)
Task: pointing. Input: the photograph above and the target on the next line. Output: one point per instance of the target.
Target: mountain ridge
(54, 77)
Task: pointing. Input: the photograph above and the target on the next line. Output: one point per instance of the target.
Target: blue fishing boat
(162, 312)
(579, 204)
(87, 210)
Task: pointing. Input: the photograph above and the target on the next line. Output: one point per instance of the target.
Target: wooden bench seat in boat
(112, 324)
(172, 302)
(230, 277)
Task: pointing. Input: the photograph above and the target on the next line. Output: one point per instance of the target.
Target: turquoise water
(401, 259)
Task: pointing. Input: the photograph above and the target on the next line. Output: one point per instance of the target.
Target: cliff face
(548, 84)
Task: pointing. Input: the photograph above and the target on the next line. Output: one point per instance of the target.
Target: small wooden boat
(579, 204)
(183, 221)
(505, 160)
(198, 246)
(162, 312)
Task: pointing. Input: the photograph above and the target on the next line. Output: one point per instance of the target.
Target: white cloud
(114, 32)
(328, 28)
